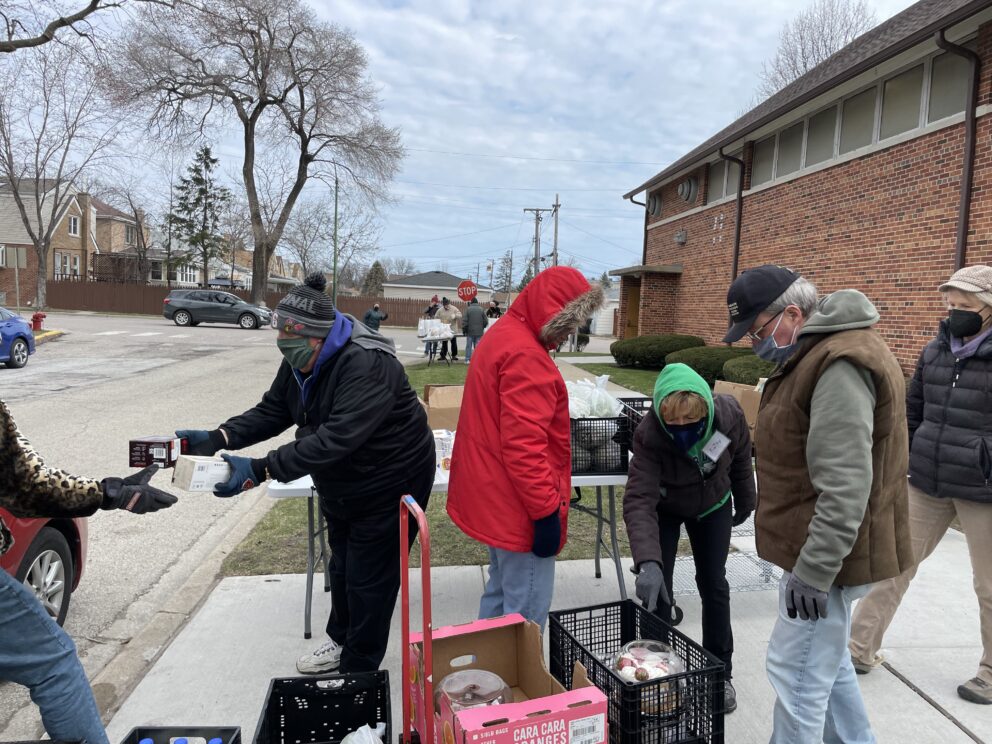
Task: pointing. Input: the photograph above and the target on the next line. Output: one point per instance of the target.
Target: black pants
(710, 540)
(454, 348)
(365, 569)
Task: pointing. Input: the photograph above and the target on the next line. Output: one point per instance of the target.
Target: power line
(501, 188)
(447, 237)
(602, 240)
(523, 157)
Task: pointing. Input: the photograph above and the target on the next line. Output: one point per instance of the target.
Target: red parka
(511, 463)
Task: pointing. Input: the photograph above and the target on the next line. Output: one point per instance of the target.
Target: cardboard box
(443, 404)
(200, 474)
(747, 396)
(542, 711)
(145, 451)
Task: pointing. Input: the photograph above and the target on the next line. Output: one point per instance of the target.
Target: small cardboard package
(748, 396)
(162, 451)
(444, 445)
(443, 404)
(542, 711)
(199, 474)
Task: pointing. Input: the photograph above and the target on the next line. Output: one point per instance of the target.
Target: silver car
(190, 307)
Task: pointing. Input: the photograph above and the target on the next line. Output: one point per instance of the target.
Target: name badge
(716, 446)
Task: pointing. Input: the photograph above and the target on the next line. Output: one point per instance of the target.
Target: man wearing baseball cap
(832, 444)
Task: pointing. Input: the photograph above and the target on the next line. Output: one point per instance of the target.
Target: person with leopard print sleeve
(34, 650)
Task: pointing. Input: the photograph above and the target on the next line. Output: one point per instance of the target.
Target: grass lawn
(278, 544)
(437, 374)
(632, 378)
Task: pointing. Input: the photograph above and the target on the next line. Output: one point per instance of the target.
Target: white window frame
(73, 226)
(75, 264)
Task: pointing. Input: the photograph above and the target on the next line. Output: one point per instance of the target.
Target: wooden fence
(402, 313)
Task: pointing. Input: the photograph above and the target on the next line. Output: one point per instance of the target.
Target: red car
(48, 555)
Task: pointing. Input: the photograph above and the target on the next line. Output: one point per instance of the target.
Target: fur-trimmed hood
(557, 301)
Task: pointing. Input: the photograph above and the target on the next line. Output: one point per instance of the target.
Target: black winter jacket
(949, 411)
(362, 432)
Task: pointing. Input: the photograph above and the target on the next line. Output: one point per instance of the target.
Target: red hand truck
(410, 508)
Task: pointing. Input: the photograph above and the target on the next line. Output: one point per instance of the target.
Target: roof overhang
(642, 269)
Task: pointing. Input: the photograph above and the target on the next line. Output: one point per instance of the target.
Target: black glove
(246, 473)
(547, 535)
(133, 493)
(740, 517)
(650, 586)
(804, 600)
(203, 443)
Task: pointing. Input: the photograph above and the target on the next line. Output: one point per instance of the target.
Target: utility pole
(537, 236)
(554, 252)
(478, 268)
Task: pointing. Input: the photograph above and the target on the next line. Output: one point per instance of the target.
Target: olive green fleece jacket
(839, 444)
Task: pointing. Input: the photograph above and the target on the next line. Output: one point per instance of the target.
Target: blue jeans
(470, 343)
(818, 698)
(37, 653)
(518, 582)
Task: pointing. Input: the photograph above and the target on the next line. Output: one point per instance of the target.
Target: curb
(46, 336)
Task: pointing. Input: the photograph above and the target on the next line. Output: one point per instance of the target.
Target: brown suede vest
(786, 497)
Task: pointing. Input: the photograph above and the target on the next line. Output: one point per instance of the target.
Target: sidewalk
(217, 670)
(570, 371)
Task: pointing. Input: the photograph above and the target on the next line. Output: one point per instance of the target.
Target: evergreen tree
(526, 278)
(503, 280)
(372, 284)
(199, 203)
(605, 281)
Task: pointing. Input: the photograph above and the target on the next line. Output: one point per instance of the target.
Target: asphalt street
(79, 400)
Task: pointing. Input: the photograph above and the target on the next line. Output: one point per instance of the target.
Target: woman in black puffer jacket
(949, 410)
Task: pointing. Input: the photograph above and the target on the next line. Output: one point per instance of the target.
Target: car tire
(18, 354)
(48, 572)
(182, 318)
(248, 321)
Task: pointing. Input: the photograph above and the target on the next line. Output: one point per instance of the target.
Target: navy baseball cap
(752, 292)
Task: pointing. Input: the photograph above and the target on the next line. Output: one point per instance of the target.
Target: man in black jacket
(362, 435)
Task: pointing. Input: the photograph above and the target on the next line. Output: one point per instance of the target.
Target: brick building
(853, 175)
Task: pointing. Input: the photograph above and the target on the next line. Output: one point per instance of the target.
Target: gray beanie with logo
(306, 310)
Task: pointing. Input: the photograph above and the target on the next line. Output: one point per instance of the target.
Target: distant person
(511, 466)
(691, 465)
(362, 436)
(474, 325)
(949, 410)
(450, 315)
(374, 317)
(34, 650)
(493, 312)
(832, 453)
(430, 347)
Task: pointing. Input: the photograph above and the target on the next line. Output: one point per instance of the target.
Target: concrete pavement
(217, 670)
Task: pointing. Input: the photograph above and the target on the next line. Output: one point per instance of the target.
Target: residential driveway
(79, 400)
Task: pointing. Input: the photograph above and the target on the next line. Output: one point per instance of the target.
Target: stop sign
(467, 290)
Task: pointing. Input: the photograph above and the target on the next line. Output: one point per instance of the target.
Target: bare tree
(399, 266)
(289, 79)
(53, 129)
(309, 236)
(822, 29)
(131, 194)
(235, 226)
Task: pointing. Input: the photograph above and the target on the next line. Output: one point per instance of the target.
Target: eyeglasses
(753, 335)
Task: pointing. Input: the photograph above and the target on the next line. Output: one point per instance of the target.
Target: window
(156, 271)
(948, 86)
(901, 100)
(186, 275)
(74, 226)
(820, 136)
(763, 162)
(858, 121)
(733, 173)
(790, 150)
(75, 265)
(714, 181)
(130, 234)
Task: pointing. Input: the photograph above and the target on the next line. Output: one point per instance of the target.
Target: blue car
(16, 339)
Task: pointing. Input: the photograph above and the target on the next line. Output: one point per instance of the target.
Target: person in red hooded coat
(511, 465)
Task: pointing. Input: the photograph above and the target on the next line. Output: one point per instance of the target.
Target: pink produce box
(542, 711)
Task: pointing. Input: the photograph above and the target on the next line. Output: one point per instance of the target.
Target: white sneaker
(327, 658)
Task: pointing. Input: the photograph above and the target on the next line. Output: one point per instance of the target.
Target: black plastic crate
(600, 446)
(193, 734)
(678, 709)
(325, 709)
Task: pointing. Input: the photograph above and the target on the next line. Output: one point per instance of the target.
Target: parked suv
(16, 339)
(190, 307)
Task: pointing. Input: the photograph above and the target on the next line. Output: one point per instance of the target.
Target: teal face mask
(297, 351)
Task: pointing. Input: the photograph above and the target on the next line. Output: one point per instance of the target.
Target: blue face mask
(769, 350)
(686, 435)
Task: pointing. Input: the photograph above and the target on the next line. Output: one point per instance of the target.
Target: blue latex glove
(244, 475)
(200, 442)
(547, 535)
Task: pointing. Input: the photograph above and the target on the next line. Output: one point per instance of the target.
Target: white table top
(303, 486)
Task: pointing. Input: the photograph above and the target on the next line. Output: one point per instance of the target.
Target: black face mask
(964, 323)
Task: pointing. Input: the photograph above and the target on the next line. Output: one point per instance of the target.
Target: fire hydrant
(36, 320)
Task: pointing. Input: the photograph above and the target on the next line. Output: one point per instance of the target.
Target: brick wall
(28, 280)
(884, 224)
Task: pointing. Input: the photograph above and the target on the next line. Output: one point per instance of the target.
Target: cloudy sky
(502, 104)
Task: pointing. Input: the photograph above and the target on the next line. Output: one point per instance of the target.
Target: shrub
(650, 351)
(708, 361)
(581, 341)
(747, 370)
